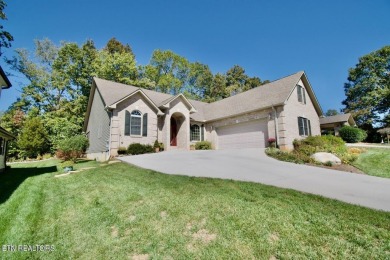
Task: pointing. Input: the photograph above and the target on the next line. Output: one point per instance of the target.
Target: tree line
(60, 78)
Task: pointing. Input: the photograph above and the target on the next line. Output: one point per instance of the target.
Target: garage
(251, 134)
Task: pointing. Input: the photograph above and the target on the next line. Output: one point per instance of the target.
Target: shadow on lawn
(12, 178)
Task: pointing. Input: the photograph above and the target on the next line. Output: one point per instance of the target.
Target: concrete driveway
(254, 165)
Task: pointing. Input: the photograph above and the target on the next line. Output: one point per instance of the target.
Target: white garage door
(243, 135)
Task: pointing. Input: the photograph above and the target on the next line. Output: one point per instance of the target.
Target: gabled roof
(4, 81)
(6, 134)
(275, 93)
(337, 119)
(165, 103)
(272, 94)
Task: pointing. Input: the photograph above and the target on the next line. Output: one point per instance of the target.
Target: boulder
(326, 157)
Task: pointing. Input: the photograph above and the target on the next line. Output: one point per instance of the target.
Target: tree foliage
(60, 77)
(5, 37)
(331, 112)
(368, 88)
(33, 139)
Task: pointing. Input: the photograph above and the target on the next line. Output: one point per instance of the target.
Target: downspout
(276, 126)
(109, 139)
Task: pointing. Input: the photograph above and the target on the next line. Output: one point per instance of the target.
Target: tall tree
(115, 46)
(235, 80)
(332, 112)
(33, 138)
(218, 90)
(118, 67)
(5, 37)
(368, 88)
(169, 70)
(199, 80)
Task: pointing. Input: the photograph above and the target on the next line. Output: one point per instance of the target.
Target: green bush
(287, 156)
(203, 145)
(352, 134)
(122, 150)
(72, 148)
(325, 143)
(137, 148)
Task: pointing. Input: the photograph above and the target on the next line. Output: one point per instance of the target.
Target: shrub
(352, 134)
(325, 143)
(161, 146)
(286, 156)
(156, 144)
(72, 148)
(122, 150)
(203, 145)
(137, 148)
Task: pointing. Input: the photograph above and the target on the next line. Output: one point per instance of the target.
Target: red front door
(173, 132)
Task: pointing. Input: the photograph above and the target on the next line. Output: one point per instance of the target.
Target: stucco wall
(183, 124)
(98, 129)
(289, 118)
(118, 137)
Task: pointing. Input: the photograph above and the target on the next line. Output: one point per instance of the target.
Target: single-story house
(332, 124)
(5, 136)
(119, 114)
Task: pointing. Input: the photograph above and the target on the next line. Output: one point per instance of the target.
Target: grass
(376, 162)
(120, 211)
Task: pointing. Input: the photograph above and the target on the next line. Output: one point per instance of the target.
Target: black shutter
(145, 125)
(308, 122)
(202, 133)
(127, 123)
(299, 89)
(300, 126)
(304, 95)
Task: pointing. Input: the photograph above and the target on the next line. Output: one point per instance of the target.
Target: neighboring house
(332, 124)
(118, 115)
(4, 135)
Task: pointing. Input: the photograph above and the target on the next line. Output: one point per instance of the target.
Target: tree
(5, 37)
(118, 67)
(33, 139)
(199, 80)
(218, 90)
(235, 80)
(115, 46)
(168, 70)
(368, 88)
(331, 112)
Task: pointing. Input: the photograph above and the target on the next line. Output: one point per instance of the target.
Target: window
(304, 126)
(135, 123)
(301, 94)
(195, 133)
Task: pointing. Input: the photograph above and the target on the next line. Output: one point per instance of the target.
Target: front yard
(122, 212)
(376, 162)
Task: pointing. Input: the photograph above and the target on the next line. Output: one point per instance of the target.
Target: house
(118, 115)
(5, 136)
(332, 124)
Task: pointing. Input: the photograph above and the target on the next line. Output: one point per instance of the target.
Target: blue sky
(270, 39)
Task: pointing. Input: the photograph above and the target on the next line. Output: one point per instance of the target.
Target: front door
(173, 132)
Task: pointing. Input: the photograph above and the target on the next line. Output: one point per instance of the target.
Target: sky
(269, 39)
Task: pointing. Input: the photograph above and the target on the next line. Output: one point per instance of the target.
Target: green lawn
(120, 211)
(376, 161)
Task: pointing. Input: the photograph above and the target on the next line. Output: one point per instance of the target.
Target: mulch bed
(341, 167)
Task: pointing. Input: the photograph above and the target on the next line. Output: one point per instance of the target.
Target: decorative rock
(326, 157)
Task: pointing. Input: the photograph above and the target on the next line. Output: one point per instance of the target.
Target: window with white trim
(301, 94)
(135, 123)
(304, 126)
(195, 133)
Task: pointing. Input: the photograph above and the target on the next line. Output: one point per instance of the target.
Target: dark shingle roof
(273, 93)
(335, 119)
